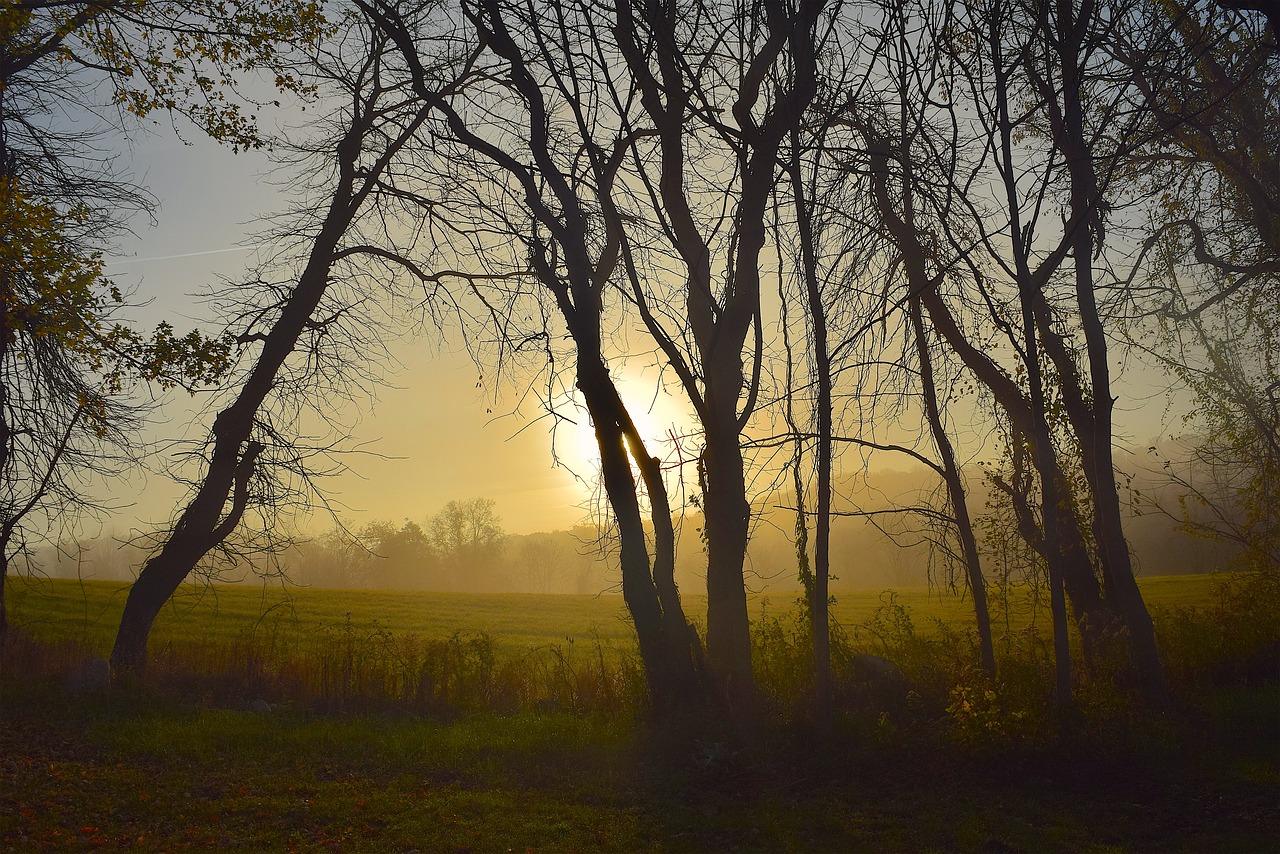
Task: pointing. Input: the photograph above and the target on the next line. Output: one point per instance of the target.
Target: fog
(881, 544)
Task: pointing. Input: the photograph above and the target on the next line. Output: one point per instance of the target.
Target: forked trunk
(667, 644)
(1087, 206)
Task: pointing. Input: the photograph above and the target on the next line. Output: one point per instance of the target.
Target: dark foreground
(119, 772)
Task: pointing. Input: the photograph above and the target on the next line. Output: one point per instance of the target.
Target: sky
(430, 424)
(433, 434)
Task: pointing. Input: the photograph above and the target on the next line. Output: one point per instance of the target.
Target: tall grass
(898, 669)
(904, 663)
(352, 667)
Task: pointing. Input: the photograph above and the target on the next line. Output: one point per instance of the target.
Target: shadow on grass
(163, 774)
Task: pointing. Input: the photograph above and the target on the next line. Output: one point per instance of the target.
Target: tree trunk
(720, 323)
(575, 279)
(727, 515)
(4, 613)
(202, 525)
(820, 591)
(637, 584)
(1087, 209)
(1089, 609)
(689, 676)
(665, 638)
(199, 530)
(726, 507)
(955, 492)
(1052, 487)
(8, 524)
(1062, 544)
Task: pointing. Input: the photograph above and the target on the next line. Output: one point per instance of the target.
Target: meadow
(442, 722)
(88, 612)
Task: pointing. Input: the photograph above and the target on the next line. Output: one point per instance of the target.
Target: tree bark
(199, 530)
(664, 636)
(1087, 207)
(727, 516)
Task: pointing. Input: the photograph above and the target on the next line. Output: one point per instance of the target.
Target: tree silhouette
(374, 125)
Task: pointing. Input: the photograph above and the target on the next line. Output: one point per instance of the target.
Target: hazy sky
(431, 423)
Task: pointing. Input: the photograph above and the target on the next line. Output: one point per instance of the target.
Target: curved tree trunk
(1063, 547)
(200, 529)
(1090, 611)
(207, 520)
(689, 677)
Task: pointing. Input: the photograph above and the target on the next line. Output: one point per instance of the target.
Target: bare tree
(1207, 287)
(468, 537)
(70, 74)
(996, 65)
(731, 87)
(378, 119)
(1061, 80)
(543, 176)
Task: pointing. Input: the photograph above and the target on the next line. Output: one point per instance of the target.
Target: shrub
(1234, 640)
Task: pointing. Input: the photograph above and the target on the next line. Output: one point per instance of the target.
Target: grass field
(88, 612)
(194, 769)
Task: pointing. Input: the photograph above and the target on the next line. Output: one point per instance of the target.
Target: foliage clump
(55, 298)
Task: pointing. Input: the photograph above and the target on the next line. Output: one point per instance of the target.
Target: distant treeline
(886, 541)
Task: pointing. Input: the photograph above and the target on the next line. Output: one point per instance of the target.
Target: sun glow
(661, 413)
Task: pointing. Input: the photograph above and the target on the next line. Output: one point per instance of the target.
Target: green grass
(160, 769)
(128, 772)
(88, 612)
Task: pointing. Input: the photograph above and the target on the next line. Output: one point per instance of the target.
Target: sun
(662, 414)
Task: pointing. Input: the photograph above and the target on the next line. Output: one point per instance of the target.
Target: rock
(90, 676)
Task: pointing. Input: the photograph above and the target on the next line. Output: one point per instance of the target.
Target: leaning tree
(72, 74)
(303, 329)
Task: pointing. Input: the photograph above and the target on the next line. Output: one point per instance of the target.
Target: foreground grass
(132, 772)
(418, 758)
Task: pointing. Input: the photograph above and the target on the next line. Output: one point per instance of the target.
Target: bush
(1235, 640)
